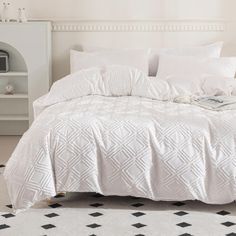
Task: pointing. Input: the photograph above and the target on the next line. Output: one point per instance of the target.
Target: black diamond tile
(185, 234)
(48, 226)
(184, 224)
(60, 195)
(96, 214)
(4, 226)
(231, 234)
(93, 226)
(96, 204)
(51, 215)
(135, 198)
(139, 235)
(8, 215)
(138, 214)
(179, 204)
(181, 213)
(137, 205)
(55, 205)
(9, 206)
(2, 166)
(228, 224)
(93, 235)
(139, 225)
(223, 213)
(98, 195)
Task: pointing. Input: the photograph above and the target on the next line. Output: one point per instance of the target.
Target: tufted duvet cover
(124, 145)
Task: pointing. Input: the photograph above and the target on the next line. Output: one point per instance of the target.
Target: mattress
(126, 145)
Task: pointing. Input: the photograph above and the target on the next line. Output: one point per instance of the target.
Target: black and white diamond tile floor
(90, 214)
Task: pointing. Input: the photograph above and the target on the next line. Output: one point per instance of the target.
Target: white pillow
(196, 67)
(233, 86)
(88, 48)
(218, 86)
(83, 60)
(198, 76)
(212, 51)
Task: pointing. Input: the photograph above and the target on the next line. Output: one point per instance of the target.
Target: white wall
(130, 10)
(127, 9)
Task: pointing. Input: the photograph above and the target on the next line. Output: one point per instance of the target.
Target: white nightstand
(29, 48)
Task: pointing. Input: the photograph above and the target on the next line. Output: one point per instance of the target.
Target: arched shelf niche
(17, 68)
(16, 59)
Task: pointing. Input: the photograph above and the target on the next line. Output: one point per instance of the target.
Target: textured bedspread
(126, 146)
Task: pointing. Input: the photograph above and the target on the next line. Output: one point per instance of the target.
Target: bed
(97, 131)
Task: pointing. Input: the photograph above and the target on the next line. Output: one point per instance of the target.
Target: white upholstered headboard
(71, 34)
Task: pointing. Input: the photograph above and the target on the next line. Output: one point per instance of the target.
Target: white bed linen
(124, 145)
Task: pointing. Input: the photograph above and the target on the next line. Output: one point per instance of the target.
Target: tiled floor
(96, 215)
(93, 214)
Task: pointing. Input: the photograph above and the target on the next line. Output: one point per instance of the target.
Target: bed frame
(157, 33)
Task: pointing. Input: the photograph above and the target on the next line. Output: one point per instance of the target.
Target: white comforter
(88, 140)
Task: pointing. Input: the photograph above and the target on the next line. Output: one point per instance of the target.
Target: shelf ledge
(14, 118)
(14, 96)
(14, 74)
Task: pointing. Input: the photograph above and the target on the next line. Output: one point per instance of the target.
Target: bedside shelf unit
(30, 73)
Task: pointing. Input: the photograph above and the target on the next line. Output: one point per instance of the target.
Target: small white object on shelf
(22, 15)
(19, 15)
(5, 12)
(9, 89)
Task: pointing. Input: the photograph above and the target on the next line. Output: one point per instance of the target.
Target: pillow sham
(218, 86)
(196, 67)
(212, 51)
(83, 60)
(198, 76)
(233, 87)
(88, 48)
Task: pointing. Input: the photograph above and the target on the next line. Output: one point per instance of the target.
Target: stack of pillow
(192, 71)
